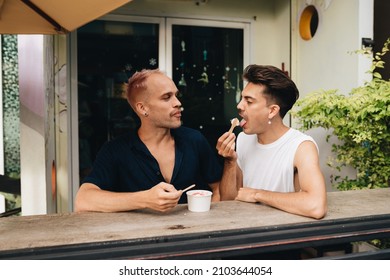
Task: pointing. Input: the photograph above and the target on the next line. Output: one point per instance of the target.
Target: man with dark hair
(149, 167)
(273, 164)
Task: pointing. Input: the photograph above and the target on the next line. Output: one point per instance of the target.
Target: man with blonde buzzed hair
(149, 167)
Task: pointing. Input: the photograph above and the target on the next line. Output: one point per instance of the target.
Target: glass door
(206, 62)
(109, 51)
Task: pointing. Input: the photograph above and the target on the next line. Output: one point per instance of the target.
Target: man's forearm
(229, 181)
(300, 203)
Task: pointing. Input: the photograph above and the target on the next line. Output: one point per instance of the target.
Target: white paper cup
(199, 200)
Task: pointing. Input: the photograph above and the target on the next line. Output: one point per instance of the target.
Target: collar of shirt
(136, 144)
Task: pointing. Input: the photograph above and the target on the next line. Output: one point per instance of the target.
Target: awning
(51, 16)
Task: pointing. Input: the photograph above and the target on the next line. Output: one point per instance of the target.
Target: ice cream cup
(199, 200)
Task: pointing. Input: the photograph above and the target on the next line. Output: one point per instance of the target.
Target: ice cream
(235, 122)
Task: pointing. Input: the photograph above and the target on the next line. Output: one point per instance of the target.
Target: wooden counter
(230, 228)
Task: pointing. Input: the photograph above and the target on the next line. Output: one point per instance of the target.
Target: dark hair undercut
(279, 87)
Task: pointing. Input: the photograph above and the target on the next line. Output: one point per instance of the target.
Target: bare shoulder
(307, 152)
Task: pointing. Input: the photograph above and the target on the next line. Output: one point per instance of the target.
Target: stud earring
(269, 121)
(146, 114)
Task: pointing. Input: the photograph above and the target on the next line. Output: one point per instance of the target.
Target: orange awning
(51, 16)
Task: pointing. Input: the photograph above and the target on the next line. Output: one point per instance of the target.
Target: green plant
(381, 243)
(361, 121)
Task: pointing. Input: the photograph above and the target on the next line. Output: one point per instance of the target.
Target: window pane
(207, 68)
(109, 52)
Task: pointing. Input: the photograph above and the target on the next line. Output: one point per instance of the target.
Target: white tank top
(271, 166)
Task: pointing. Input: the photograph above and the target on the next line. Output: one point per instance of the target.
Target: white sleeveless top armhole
(271, 166)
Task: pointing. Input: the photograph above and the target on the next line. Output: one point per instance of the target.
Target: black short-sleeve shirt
(126, 165)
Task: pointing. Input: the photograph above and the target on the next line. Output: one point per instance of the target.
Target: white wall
(326, 61)
(31, 91)
(36, 126)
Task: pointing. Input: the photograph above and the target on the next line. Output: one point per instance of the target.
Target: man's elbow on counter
(78, 208)
(319, 212)
(224, 197)
(79, 205)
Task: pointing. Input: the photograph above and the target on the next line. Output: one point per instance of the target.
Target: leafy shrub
(361, 121)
